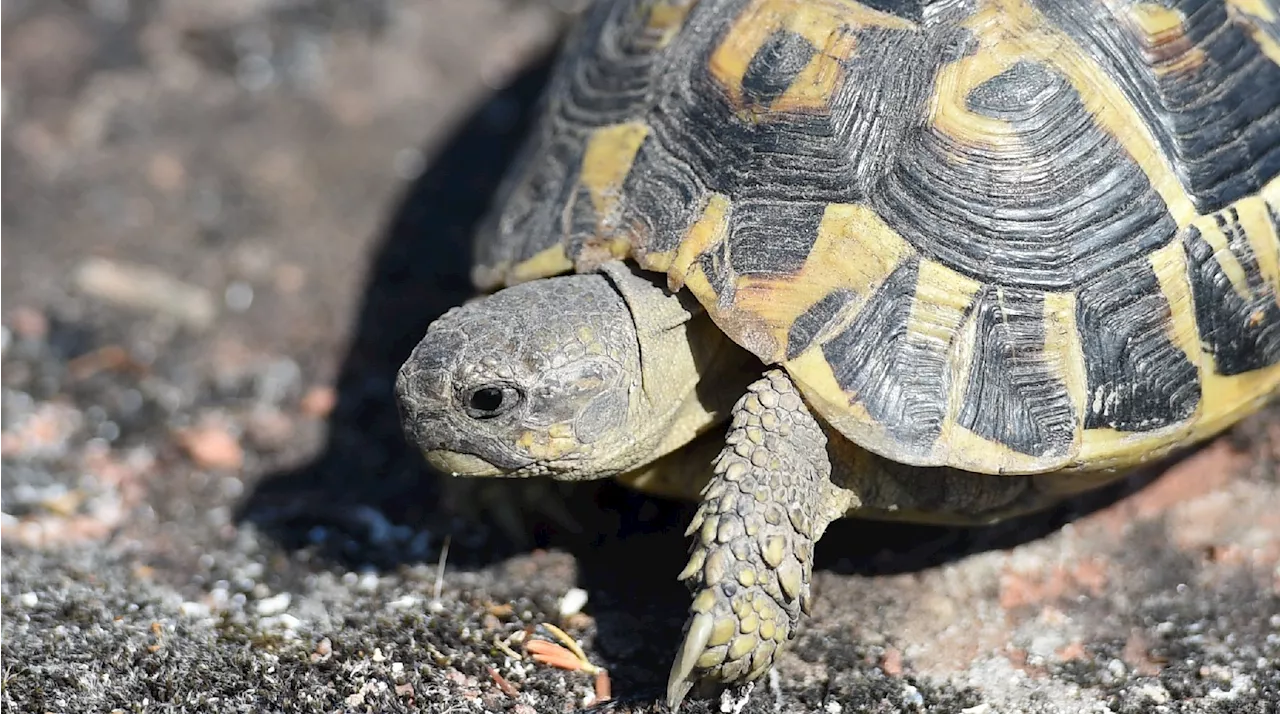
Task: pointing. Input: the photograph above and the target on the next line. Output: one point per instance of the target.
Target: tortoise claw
(694, 644)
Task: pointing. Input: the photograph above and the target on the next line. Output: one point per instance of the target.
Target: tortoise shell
(1007, 236)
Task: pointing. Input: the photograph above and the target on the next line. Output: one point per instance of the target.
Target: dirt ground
(226, 223)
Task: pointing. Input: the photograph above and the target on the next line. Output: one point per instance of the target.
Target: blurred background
(225, 224)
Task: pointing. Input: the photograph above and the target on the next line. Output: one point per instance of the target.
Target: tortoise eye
(492, 400)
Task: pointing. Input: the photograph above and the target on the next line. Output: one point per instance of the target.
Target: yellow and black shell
(1008, 236)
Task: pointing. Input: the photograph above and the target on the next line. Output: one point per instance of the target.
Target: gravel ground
(227, 223)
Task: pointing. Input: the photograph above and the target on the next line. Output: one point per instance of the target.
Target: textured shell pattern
(1007, 236)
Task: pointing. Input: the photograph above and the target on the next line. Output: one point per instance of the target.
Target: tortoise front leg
(767, 504)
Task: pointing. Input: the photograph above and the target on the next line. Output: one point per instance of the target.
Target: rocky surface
(226, 224)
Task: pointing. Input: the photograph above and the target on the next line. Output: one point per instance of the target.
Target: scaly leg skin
(767, 504)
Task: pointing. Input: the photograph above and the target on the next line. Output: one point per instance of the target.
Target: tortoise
(935, 260)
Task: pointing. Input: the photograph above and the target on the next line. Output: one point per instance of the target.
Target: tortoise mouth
(456, 463)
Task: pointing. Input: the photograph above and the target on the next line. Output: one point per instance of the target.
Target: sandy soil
(225, 226)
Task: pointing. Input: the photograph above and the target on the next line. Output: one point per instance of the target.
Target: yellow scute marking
(971, 452)
(1063, 350)
(1063, 355)
(666, 18)
(1251, 14)
(1111, 449)
(948, 111)
(936, 323)
(1224, 399)
(814, 86)
(1163, 34)
(1261, 9)
(825, 24)
(818, 383)
(960, 363)
(1173, 276)
(1155, 20)
(1222, 255)
(1262, 233)
(607, 159)
(1009, 30)
(942, 298)
(597, 251)
(1268, 44)
(1227, 399)
(855, 250)
(710, 229)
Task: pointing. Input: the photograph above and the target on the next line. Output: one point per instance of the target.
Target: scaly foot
(765, 507)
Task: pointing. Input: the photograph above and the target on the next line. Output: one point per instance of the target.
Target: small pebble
(912, 696)
(406, 602)
(323, 649)
(194, 609)
(28, 599)
(212, 445)
(255, 73)
(729, 704)
(578, 621)
(165, 173)
(290, 279)
(238, 296)
(269, 428)
(283, 621)
(892, 662)
(572, 602)
(318, 402)
(277, 380)
(253, 260)
(408, 163)
(273, 605)
(29, 323)
(145, 288)
(232, 487)
(1155, 693)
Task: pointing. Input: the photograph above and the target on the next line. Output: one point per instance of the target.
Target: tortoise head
(535, 379)
(574, 377)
